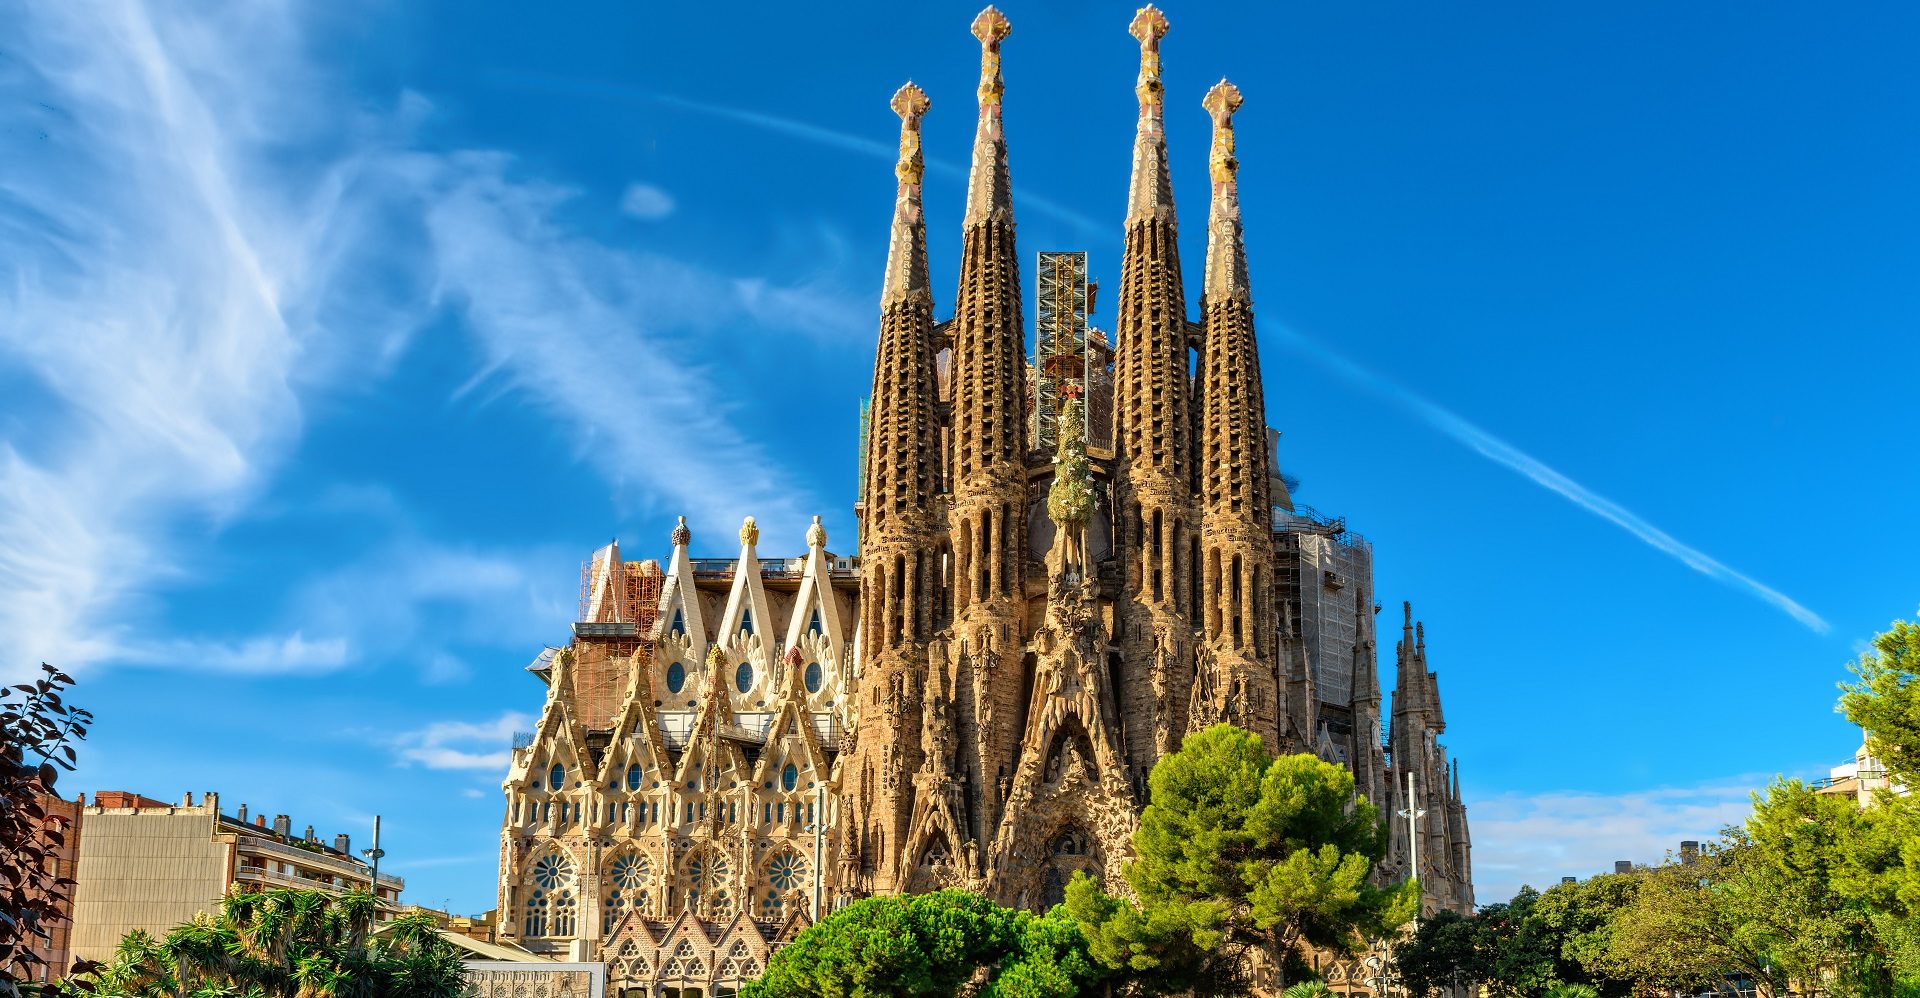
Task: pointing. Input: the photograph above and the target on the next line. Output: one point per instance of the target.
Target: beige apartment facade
(151, 865)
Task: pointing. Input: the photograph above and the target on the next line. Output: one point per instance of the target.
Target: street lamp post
(373, 855)
(1413, 814)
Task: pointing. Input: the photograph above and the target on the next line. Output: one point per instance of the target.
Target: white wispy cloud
(1527, 466)
(646, 202)
(1538, 838)
(463, 744)
(174, 283)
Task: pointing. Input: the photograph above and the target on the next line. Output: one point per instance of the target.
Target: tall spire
(907, 247)
(989, 189)
(987, 454)
(1157, 530)
(1151, 192)
(1226, 248)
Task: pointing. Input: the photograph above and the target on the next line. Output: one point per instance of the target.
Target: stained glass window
(676, 677)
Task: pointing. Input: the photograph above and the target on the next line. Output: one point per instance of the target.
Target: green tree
(38, 730)
(1520, 952)
(1445, 950)
(1884, 701)
(286, 944)
(1580, 919)
(1239, 855)
(931, 945)
(1687, 928)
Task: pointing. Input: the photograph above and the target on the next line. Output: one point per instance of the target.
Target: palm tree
(1307, 989)
(287, 944)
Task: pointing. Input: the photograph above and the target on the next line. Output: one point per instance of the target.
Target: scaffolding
(618, 603)
(1325, 581)
(1061, 359)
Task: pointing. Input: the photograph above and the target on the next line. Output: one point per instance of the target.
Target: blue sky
(334, 336)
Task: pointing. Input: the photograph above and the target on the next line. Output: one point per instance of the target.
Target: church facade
(1068, 560)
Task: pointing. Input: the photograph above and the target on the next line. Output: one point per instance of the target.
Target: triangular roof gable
(558, 733)
(684, 926)
(604, 584)
(816, 593)
(636, 732)
(715, 709)
(796, 922)
(749, 593)
(678, 594)
(790, 736)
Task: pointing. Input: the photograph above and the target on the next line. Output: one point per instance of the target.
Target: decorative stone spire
(989, 189)
(749, 533)
(907, 247)
(1151, 192)
(1226, 248)
(816, 534)
(681, 535)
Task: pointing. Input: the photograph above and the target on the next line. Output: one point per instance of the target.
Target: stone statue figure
(1070, 500)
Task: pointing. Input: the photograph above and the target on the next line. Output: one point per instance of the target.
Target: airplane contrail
(1527, 466)
(793, 128)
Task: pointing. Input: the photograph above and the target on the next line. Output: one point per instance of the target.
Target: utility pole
(1413, 814)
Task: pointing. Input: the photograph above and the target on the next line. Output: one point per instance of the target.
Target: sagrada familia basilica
(1067, 561)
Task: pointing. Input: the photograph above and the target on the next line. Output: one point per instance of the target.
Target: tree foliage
(282, 943)
(931, 945)
(1812, 893)
(1241, 855)
(40, 732)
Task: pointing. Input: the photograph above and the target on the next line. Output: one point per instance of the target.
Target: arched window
(626, 888)
(746, 621)
(813, 676)
(770, 906)
(566, 914)
(814, 626)
(633, 777)
(743, 677)
(557, 777)
(676, 677)
(679, 622)
(789, 777)
(536, 920)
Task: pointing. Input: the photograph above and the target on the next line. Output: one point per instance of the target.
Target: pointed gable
(680, 619)
(748, 612)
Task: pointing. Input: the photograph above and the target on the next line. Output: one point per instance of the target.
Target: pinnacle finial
(991, 27)
(1149, 26)
(1226, 273)
(911, 104)
(681, 535)
(989, 190)
(907, 246)
(749, 532)
(817, 534)
(1221, 102)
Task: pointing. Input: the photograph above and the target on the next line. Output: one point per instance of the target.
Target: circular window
(557, 777)
(786, 871)
(676, 677)
(789, 777)
(553, 870)
(633, 777)
(743, 677)
(813, 677)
